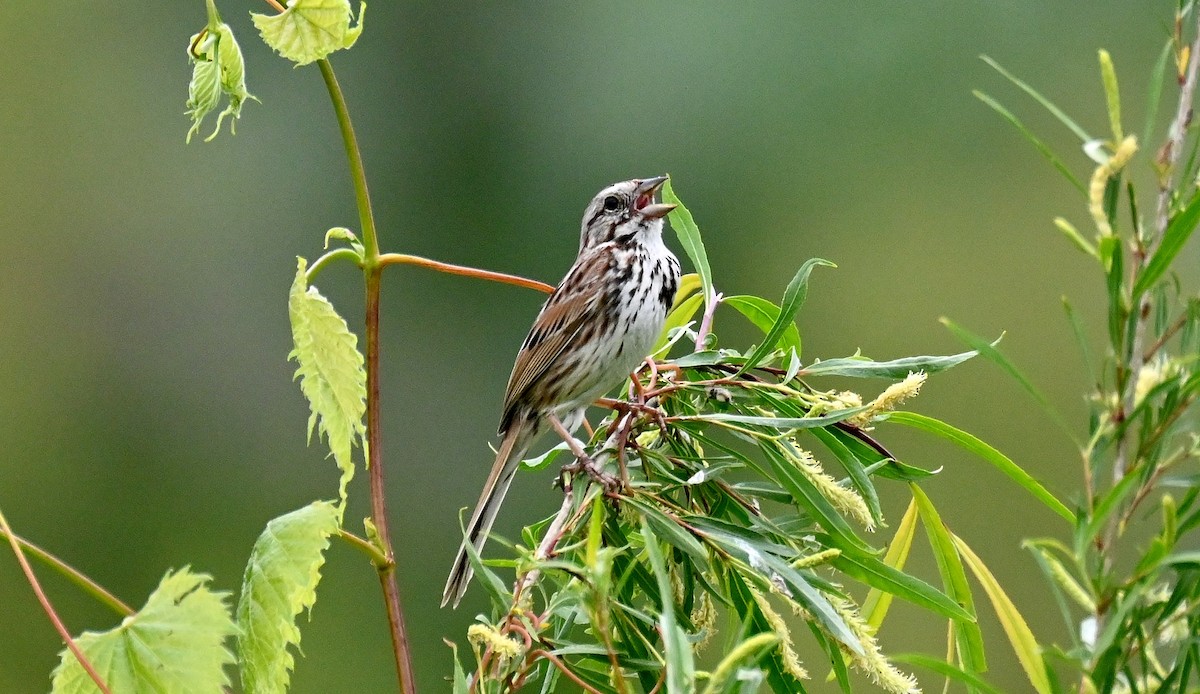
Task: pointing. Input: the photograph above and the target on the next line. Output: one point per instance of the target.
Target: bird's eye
(611, 203)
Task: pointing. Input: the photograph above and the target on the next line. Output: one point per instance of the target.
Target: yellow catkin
(484, 635)
(1099, 182)
(791, 662)
(843, 499)
(872, 662)
(890, 398)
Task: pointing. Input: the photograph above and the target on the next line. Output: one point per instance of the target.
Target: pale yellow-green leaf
(875, 607)
(1029, 654)
(331, 372)
(309, 30)
(281, 581)
(688, 285)
(174, 645)
(217, 69)
(680, 316)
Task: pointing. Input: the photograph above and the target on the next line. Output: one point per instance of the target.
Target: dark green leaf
(763, 314)
(875, 573)
(689, 237)
(947, 670)
(793, 299)
(989, 454)
(1173, 239)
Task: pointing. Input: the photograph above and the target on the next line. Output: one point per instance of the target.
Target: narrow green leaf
(1042, 147)
(793, 299)
(1176, 235)
(954, 578)
(175, 643)
(281, 581)
(861, 367)
(689, 236)
(671, 531)
(681, 675)
(1075, 237)
(855, 469)
(310, 30)
(1112, 95)
(1154, 97)
(1000, 461)
(810, 498)
(875, 607)
(460, 685)
(988, 351)
(764, 314)
(877, 574)
(1081, 339)
(1019, 636)
(946, 670)
(331, 372)
(1049, 105)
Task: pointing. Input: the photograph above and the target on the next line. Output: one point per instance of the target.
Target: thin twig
(404, 259)
(541, 653)
(74, 575)
(41, 596)
(1164, 338)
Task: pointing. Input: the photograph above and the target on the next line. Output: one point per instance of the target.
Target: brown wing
(573, 305)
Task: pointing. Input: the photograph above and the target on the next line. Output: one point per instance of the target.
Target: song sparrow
(597, 326)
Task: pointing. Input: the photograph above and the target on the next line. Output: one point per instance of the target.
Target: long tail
(512, 450)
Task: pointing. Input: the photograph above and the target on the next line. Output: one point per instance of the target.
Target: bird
(596, 327)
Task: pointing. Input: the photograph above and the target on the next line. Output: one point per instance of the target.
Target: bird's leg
(584, 461)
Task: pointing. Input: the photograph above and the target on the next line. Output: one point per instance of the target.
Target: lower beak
(648, 188)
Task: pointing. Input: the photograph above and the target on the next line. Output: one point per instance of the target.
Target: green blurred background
(147, 415)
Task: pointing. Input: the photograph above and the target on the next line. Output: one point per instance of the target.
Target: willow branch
(41, 596)
(404, 259)
(1168, 159)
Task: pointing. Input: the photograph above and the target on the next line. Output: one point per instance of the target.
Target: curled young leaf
(217, 69)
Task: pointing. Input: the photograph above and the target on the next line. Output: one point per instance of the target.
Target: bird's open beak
(644, 203)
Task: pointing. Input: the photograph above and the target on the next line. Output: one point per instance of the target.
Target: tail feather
(512, 450)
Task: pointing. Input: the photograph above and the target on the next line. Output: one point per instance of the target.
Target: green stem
(364, 546)
(371, 272)
(336, 254)
(71, 573)
(49, 609)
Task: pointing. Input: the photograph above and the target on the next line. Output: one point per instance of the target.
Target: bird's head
(624, 212)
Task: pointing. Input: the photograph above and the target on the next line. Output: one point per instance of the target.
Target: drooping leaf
(777, 422)
(793, 299)
(991, 455)
(875, 607)
(873, 572)
(310, 30)
(954, 578)
(1046, 103)
(174, 645)
(689, 236)
(280, 582)
(217, 68)
(1029, 654)
(946, 669)
(331, 372)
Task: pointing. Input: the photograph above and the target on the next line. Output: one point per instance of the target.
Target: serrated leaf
(331, 372)
(280, 582)
(217, 68)
(174, 644)
(309, 30)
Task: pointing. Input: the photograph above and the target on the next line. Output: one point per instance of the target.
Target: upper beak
(646, 190)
